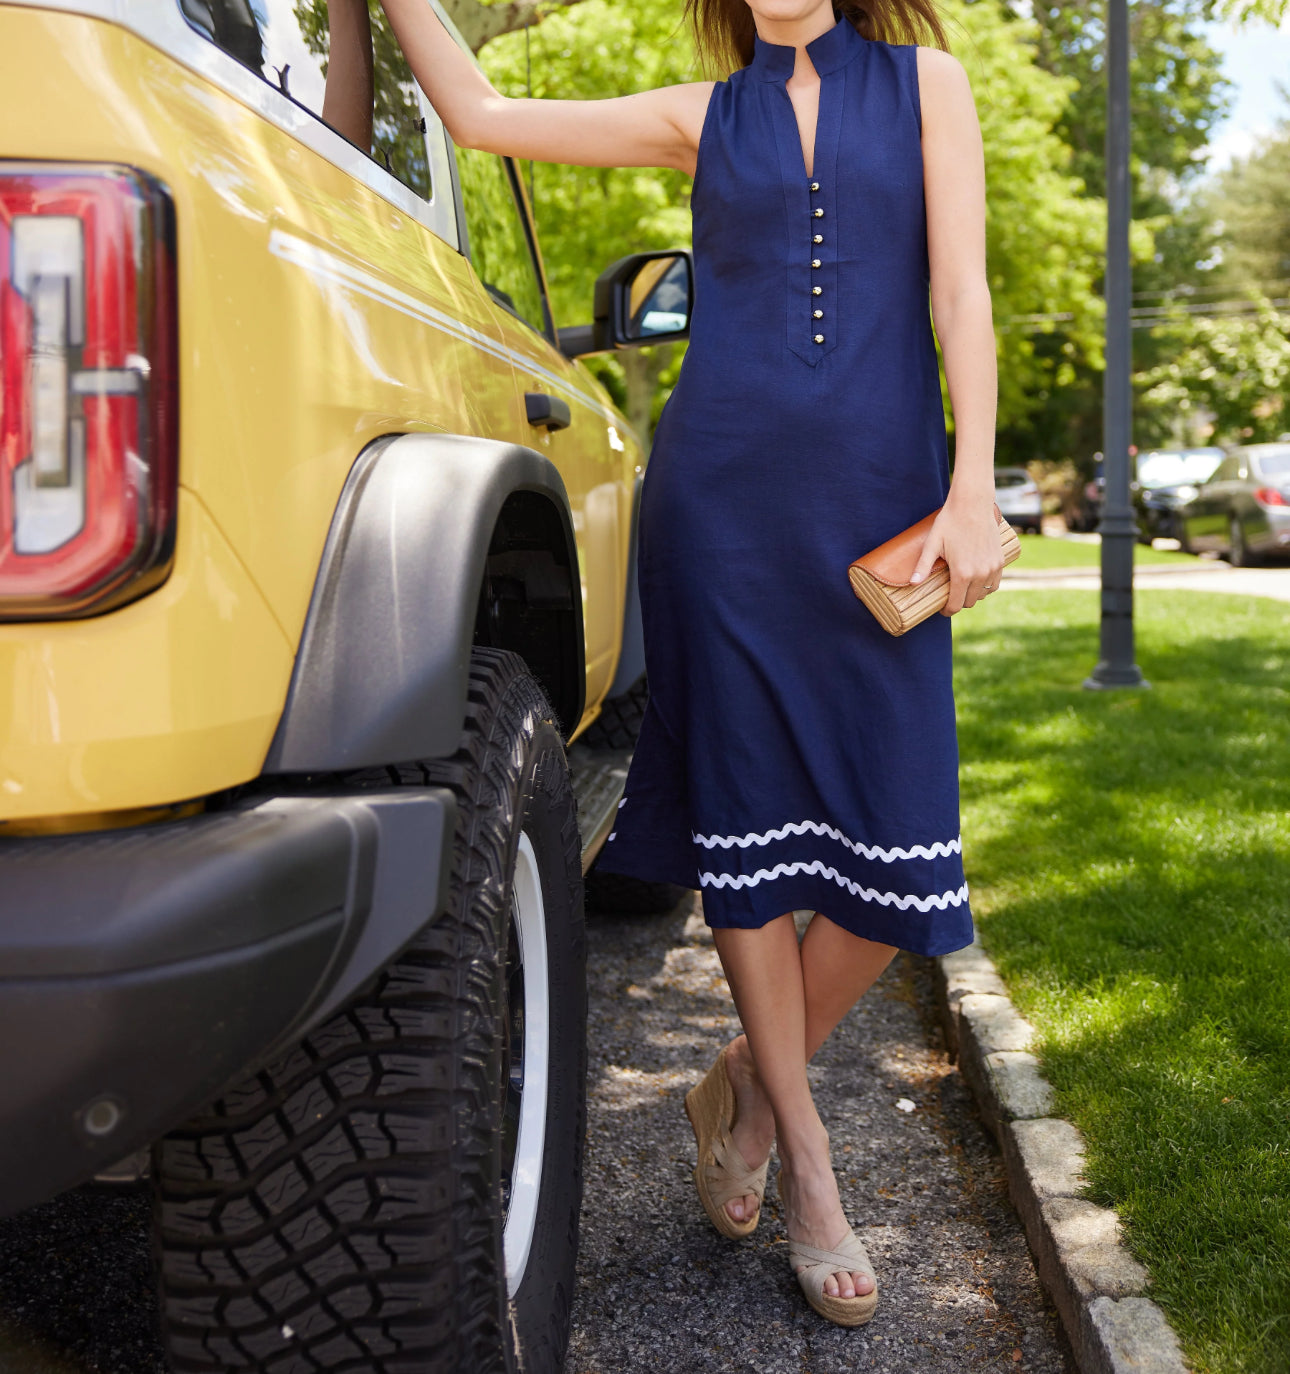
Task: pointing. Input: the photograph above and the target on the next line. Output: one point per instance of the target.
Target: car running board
(599, 776)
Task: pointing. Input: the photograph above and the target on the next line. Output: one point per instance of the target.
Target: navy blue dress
(794, 755)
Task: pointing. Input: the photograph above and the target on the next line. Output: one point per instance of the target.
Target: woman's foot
(753, 1127)
(813, 1214)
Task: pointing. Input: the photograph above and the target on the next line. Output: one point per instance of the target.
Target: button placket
(810, 198)
(817, 212)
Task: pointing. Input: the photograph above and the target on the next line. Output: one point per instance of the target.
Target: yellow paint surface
(315, 317)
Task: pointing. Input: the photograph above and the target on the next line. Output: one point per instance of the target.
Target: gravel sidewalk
(660, 1290)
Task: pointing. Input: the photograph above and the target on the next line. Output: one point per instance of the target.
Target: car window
(1168, 468)
(1227, 469)
(285, 43)
(1274, 465)
(496, 236)
(1010, 477)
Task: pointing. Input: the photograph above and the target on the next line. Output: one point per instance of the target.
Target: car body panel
(1018, 498)
(172, 697)
(296, 279)
(1166, 479)
(1228, 500)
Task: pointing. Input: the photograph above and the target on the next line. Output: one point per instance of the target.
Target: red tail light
(88, 416)
(1270, 496)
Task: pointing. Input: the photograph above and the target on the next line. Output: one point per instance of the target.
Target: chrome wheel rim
(526, 1063)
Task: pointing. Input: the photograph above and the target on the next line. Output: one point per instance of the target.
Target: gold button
(815, 290)
(819, 214)
(819, 314)
(815, 186)
(815, 262)
(819, 338)
(819, 238)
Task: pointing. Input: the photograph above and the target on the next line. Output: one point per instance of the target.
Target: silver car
(1018, 499)
(1243, 510)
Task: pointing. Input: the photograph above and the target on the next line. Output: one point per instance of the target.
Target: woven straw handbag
(881, 578)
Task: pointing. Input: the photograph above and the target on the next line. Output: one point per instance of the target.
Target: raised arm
(658, 128)
(965, 534)
(347, 99)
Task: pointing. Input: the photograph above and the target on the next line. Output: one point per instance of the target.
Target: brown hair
(724, 29)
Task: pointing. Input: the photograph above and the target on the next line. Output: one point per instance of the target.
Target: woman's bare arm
(965, 534)
(658, 128)
(347, 99)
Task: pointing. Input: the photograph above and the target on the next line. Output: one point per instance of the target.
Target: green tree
(1178, 93)
(1233, 368)
(1219, 363)
(1044, 233)
(1250, 200)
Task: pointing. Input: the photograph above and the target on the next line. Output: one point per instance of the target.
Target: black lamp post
(1117, 667)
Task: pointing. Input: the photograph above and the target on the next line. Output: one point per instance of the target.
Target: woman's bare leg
(838, 968)
(771, 980)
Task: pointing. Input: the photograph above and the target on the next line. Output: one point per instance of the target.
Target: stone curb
(1096, 1285)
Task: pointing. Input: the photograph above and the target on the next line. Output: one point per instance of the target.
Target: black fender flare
(381, 672)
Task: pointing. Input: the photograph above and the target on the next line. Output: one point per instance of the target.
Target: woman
(794, 756)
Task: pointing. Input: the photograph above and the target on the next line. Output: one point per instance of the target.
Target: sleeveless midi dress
(793, 755)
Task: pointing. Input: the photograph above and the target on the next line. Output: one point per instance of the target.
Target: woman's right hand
(658, 128)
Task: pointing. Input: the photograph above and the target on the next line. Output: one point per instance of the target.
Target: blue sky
(1255, 58)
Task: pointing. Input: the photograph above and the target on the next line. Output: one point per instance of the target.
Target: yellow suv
(315, 558)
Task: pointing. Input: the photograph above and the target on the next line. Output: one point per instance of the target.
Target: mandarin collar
(831, 50)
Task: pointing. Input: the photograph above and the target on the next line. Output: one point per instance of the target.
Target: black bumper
(141, 971)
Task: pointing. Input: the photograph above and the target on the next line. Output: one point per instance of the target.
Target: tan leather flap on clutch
(893, 563)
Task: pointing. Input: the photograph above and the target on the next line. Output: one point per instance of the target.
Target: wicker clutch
(881, 578)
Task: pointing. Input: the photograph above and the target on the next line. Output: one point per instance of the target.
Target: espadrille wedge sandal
(722, 1173)
(817, 1265)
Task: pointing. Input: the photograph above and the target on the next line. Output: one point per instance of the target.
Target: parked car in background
(1082, 506)
(1243, 510)
(1167, 479)
(1018, 499)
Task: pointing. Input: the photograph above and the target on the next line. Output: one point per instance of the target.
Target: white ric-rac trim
(869, 894)
(941, 849)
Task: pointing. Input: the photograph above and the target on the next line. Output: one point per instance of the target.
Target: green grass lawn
(1047, 552)
(1129, 856)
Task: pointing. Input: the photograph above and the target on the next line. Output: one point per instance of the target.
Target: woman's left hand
(966, 535)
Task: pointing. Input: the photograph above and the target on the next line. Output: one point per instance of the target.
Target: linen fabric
(793, 755)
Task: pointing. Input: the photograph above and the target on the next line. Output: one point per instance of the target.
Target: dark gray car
(1166, 480)
(1243, 511)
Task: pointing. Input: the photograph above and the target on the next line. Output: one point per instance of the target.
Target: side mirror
(644, 298)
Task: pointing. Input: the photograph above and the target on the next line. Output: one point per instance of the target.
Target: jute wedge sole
(849, 1257)
(722, 1173)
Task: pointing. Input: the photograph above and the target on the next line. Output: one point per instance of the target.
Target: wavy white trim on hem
(869, 894)
(941, 849)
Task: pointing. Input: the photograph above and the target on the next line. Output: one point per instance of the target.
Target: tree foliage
(1233, 368)
(1177, 90)
(1250, 202)
(1044, 235)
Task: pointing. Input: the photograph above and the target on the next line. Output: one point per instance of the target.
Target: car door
(1240, 500)
(1207, 514)
(589, 442)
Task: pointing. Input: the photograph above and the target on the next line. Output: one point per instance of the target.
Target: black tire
(619, 723)
(342, 1209)
(1238, 551)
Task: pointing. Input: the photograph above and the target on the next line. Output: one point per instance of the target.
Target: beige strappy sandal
(722, 1173)
(850, 1258)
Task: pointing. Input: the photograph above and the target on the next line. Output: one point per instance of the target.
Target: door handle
(546, 412)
